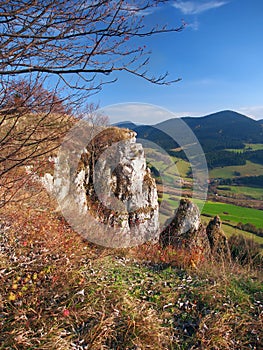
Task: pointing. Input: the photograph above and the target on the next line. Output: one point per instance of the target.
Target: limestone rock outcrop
(186, 230)
(112, 184)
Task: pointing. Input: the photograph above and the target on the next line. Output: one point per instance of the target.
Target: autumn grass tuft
(59, 292)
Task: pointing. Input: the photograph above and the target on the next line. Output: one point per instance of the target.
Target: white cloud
(255, 112)
(138, 113)
(196, 7)
(143, 113)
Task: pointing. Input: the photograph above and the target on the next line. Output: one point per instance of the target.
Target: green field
(250, 169)
(248, 147)
(249, 192)
(229, 213)
(234, 214)
(253, 146)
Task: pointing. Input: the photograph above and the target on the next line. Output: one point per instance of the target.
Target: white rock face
(115, 188)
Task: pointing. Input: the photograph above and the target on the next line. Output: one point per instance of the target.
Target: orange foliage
(179, 257)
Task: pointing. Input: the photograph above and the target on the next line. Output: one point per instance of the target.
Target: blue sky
(219, 56)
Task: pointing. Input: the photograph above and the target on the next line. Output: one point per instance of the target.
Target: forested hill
(218, 131)
(226, 129)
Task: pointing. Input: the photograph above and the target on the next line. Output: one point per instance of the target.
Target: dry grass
(60, 292)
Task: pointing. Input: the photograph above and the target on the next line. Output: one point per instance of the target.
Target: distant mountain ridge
(125, 124)
(217, 131)
(226, 128)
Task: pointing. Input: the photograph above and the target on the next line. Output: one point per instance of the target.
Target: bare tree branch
(65, 37)
(74, 45)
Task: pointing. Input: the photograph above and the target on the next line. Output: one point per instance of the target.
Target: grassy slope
(165, 164)
(250, 169)
(248, 192)
(229, 231)
(59, 292)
